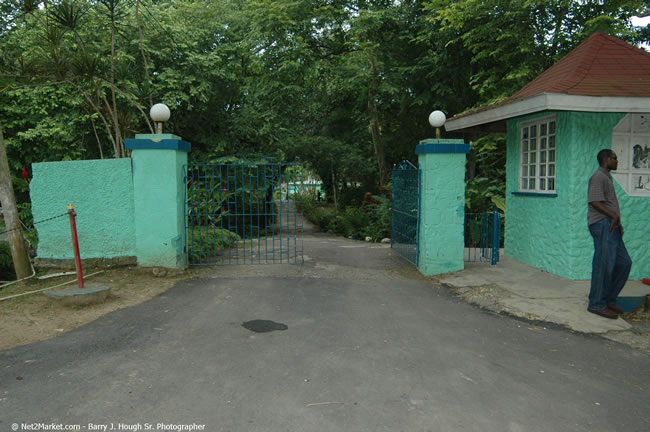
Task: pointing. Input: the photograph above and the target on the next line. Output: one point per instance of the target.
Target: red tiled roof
(602, 65)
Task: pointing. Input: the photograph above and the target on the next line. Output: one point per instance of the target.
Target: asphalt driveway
(369, 345)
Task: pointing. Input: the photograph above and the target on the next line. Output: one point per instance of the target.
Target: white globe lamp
(437, 120)
(159, 113)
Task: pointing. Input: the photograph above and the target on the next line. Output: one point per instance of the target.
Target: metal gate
(243, 213)
(482, 237)
(405, 211)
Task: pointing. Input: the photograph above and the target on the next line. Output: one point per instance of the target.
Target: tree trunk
(99, 143)
(12, 221)
(116, 122)
(375, 128)
(141, 39)
(336, 203)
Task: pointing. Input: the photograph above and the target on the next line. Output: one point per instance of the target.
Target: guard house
(597, 96)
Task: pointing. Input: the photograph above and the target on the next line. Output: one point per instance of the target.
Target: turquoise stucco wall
(159, 206)
(442, 211)
(551, 233)
(102, 193)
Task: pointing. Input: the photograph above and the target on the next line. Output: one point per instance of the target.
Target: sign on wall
(631, 142)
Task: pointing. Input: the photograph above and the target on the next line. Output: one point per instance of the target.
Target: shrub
(206, 240)
(6, 263)
(314, 211)
(355, 222)
(372, 219)
(380, 218)
(351, 223)
(351, 196)
(335, 225)
(305, 202)
(321, 216)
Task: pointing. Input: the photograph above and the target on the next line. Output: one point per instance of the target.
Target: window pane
(538, 147)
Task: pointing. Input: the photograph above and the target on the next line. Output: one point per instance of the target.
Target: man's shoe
(618, 310)
(607, 313)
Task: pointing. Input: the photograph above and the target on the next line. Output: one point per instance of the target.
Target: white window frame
(538, 156)
(629, 136)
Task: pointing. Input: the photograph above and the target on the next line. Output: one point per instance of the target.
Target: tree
(346, 85)
(10, 212)
(512, 41)
(64, 45)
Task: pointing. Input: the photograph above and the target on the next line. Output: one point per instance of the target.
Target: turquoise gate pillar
(442, 205)
(159, 162)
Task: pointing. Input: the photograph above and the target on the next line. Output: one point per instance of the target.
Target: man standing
(611, 264)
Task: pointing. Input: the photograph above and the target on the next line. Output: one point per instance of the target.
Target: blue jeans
(610, 267)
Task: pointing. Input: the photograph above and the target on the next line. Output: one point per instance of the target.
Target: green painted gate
(243, 213)
(405, 238)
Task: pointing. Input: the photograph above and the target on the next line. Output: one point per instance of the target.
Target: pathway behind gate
(369, 345)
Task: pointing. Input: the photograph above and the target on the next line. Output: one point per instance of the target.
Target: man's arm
(616, 219)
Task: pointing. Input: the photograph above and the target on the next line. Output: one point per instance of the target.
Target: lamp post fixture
(159, 113)
(437, 120)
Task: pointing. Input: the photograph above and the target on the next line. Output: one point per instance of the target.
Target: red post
(75, 245)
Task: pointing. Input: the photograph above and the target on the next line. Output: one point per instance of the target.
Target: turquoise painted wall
(442, 211)
(102, 193)
(159, 206)
(551, 233)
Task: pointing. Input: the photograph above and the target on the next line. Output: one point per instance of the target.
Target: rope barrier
(44, 289)
(30, 261)
(35, 223)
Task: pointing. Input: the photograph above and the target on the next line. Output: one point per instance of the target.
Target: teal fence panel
(482, 237)
(243, 213)
(405, 211)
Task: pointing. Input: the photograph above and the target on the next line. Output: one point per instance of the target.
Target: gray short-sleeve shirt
(601, 188)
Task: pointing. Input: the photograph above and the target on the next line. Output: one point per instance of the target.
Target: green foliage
(350, 223)
(499, 203)
(380, 216)
(284, 79)
(306, 201)
(317, 212)
(205, 204)
(370, 220)
(486, 174)
(29, 231)
(351, 196)
(206, 240)
(7, 272)
(322, 216)
(531, 36)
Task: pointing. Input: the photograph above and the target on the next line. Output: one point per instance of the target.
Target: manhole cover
(263, 326)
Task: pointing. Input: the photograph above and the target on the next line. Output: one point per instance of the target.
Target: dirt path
(35, 317)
